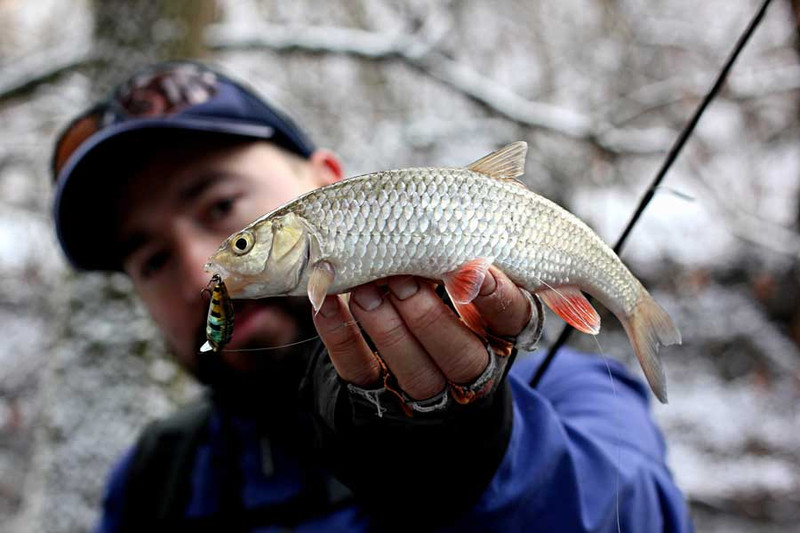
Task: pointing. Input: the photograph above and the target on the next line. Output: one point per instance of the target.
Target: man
(400, 418)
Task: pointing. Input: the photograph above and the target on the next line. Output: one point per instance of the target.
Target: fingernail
(330, 307)
(367, 297)
(489, 284)
(404, 287)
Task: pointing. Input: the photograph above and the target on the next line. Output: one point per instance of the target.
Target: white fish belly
(428, 221)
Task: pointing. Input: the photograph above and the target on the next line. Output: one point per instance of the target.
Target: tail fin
(649, 327)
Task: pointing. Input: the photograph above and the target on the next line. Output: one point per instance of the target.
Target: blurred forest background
(598, 88)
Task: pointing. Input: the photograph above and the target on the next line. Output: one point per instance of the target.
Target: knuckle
(507, 312)
(423, 384)
(428, 316)
(365, 374)
(471, 365)
(529, 313)
(390, 334)
(345, 340)
(522, 309)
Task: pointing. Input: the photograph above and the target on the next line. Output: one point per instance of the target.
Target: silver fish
(448, 224)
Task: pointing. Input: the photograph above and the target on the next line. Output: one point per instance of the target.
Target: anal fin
(572, 306)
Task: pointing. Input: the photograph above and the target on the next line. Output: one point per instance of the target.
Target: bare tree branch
(744, 225)
(747, 85)
(419, 54)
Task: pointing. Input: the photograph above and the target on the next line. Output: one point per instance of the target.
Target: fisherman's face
(174, 213)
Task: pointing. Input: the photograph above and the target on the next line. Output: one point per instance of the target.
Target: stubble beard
(266, 367)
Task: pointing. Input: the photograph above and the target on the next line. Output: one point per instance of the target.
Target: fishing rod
(670, 159)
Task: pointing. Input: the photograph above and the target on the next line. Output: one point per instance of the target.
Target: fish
(219, 324)
(451, 225)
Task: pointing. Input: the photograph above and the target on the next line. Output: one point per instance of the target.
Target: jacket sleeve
(408, 472)
(584, 455)
(114, 497)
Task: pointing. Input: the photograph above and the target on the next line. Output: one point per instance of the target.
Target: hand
(422, 342)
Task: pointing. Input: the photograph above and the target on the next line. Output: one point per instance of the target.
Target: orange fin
(571, 305)
(471, 317)
(464, 283)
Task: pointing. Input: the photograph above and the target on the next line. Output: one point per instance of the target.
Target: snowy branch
(749, 84)
(418, 53)
(748, 226)
(673, 33)
(35, 69)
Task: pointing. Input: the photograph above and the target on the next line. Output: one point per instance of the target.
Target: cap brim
(86, 193)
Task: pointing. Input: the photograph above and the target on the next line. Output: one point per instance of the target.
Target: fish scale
(442, 223)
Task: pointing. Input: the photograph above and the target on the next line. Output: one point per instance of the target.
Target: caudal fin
(649, 327)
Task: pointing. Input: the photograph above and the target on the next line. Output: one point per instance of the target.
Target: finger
(459, 354)
(415, 371)
(351, 356)
(502, 305)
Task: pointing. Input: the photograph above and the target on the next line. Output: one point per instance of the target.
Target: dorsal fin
(505, 164)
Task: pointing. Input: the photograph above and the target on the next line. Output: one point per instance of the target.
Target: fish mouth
(211, 268)
(233, 284)
(215, 268)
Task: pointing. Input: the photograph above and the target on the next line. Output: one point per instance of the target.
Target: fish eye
(242, 243)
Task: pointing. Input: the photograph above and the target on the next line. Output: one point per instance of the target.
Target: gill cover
(289, 250)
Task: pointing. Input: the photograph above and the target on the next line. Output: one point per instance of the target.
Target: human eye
(221, 208)
(152, 264)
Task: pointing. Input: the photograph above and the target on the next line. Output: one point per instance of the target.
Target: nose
(193, 254)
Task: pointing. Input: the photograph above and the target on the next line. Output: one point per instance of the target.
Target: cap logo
(155, 94)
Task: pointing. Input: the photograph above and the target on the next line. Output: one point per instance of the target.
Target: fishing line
(617, 421)
(303, 341)
(618, 425)
(670, 159)
(267, 348)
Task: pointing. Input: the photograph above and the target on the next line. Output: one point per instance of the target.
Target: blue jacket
(583, 455)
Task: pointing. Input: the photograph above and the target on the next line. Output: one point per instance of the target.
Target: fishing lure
(219, 327)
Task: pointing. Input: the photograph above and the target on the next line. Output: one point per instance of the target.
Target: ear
(326, 167)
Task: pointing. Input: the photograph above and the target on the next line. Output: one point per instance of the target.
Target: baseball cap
(164, 102)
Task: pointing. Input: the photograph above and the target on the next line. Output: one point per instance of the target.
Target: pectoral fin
(321, 279)
(571, 305)
(469, 314)
(464, 283)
